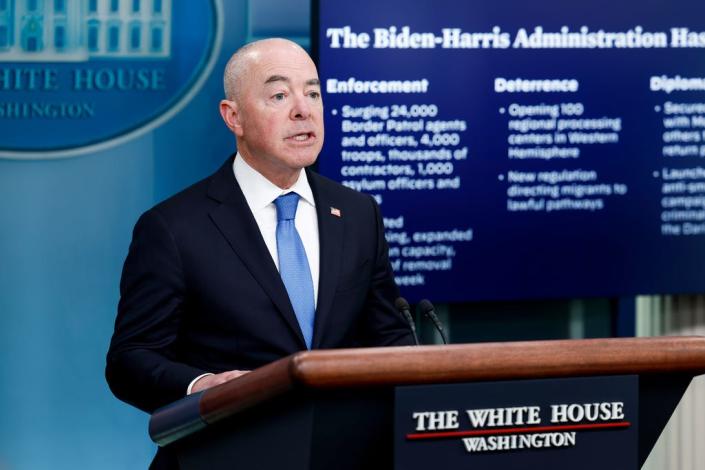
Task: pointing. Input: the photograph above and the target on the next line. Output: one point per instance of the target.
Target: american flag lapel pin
(335, 211)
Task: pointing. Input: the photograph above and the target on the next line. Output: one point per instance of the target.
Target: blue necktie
(293, 265)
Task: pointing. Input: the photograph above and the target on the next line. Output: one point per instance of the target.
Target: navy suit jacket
(201, 293)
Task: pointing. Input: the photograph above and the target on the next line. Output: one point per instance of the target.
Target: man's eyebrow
(282, 78)
(276, 78)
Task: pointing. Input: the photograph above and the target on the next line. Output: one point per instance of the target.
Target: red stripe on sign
(486, 432)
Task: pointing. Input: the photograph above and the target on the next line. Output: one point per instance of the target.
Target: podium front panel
(577, 423)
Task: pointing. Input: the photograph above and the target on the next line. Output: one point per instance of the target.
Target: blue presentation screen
(523, 149)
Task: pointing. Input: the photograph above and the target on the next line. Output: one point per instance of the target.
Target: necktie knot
(286, 206)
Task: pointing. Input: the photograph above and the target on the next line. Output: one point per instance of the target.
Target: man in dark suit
(260, 260)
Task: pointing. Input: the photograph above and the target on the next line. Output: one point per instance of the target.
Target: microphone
(403, 307)
(428, 310)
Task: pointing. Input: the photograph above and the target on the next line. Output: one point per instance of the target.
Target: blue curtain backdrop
(65, 226)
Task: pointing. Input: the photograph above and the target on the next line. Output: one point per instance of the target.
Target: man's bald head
(274, 108)
(239, 64)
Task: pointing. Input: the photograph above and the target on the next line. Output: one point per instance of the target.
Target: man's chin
(303, 160)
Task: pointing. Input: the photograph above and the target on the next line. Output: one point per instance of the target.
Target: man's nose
(301, 108)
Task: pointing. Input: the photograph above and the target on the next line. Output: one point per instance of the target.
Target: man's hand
(212, 380)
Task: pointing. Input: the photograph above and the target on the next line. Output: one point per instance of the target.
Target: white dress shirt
(260, 194)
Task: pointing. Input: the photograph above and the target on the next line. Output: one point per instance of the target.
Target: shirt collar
(260, 192)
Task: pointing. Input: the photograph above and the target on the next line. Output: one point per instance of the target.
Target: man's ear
(230, 114)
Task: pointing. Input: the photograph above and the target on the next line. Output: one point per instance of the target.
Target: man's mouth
(302, 137)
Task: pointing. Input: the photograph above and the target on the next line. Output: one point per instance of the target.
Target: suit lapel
(330, 236)
(237, 224)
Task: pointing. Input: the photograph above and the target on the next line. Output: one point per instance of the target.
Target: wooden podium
(334, 409)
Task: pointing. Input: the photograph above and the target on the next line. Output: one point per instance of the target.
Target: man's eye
(315, 95)
(278, 97)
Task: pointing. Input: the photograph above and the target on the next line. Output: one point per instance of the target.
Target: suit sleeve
(142, 362)
(384, 325)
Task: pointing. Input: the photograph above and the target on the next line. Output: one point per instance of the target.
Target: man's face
(280, 112)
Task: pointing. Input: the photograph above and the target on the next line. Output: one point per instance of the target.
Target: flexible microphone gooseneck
(403, 307)
(428, 311)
